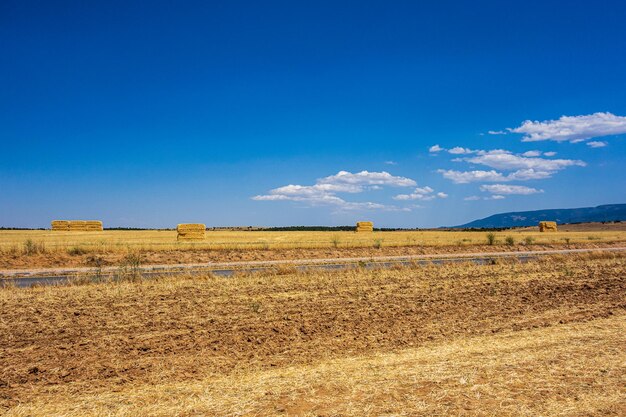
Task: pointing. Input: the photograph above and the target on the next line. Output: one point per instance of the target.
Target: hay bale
(191, 231)
(188, 227)
(78, 226)
(545, 226)
(364, 227)
(62, 225)
(93, 226)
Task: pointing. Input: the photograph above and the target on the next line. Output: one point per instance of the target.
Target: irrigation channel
(57, 276)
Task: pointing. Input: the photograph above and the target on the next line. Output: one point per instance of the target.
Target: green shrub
(491, 239)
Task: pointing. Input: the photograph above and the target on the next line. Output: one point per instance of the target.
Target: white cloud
(471, 176)
(528, 174)
(435, 148)
(457, 150)
(423, 190)
(507, 166)
(271, 197)
(423, 194)
(328, 200)
(497, 132)
(391, 163)
(366, 178)
(406, 197)
(465, 177)
(324, 191)
(572, 128)
(506, 189)
(505, 160)
(492, 197)
(310, 190)
(597, 144)
(370, 206)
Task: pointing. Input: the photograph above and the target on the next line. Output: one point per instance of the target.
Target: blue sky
(308, 113)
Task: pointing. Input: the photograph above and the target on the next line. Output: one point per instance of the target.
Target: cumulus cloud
(324, 191)
(528, 174)
(435, 149)
(423, 194)
(322, 199)
(460, 177)
(572, 128)
(366, 178)
(457, 150)
(507, 166)
(597, 144)
(505, 189)
(465, 177)
(505, 160)
(491, 197)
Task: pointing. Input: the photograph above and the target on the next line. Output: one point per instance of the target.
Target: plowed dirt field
(165, 346)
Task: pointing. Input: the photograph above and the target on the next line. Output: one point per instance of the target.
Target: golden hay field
(155, 240)
(545, 338)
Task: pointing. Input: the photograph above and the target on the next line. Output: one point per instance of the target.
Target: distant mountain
(605, 213)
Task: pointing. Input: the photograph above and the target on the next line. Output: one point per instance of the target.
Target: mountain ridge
(602, 213)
